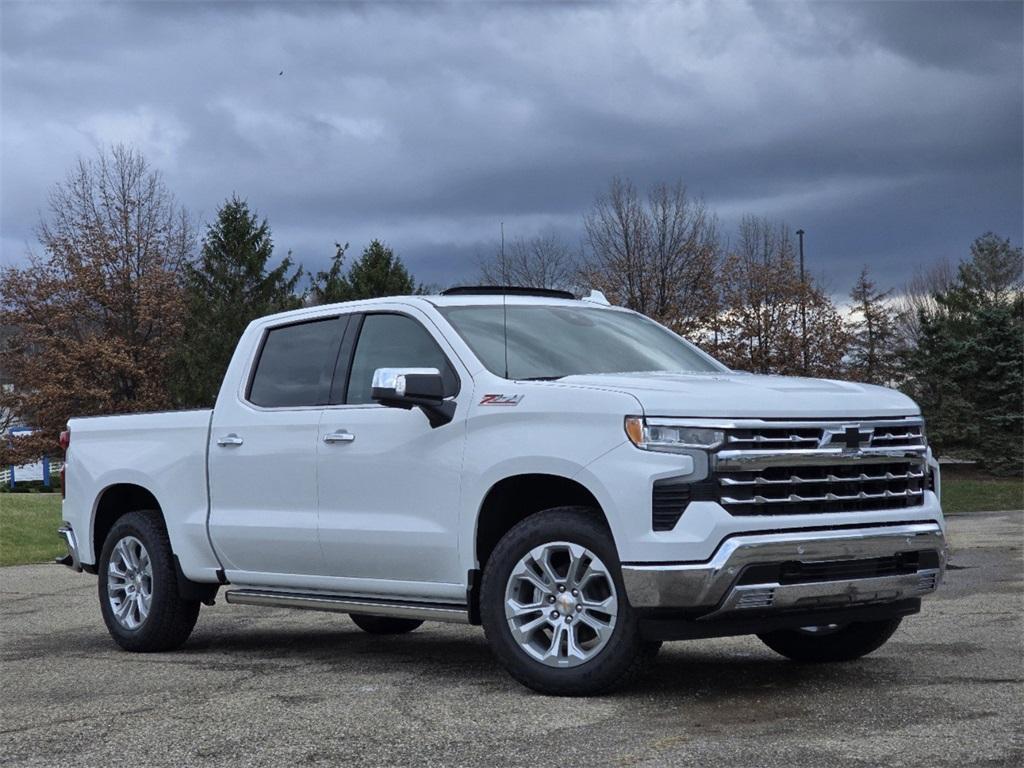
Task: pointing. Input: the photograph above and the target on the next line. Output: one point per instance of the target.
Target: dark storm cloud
(890, 132)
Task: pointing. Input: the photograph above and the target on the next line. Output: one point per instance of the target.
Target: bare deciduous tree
(544, 261)
(919, 296)
(759, 323)
(873, 355)
(98, 313)
(656, 255)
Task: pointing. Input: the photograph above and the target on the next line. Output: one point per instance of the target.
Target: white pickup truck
(573, 476)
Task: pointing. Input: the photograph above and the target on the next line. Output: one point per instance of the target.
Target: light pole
(803, 302)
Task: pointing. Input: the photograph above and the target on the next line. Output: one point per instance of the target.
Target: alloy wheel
(561, 604)
(130, 582)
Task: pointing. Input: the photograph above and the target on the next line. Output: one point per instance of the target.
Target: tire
(169, 619)
(844, 643)
(383, 625)
(615, 657)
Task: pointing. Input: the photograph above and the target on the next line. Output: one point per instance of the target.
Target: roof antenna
(504, 296)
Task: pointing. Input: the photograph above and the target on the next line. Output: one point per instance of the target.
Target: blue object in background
(38, 470)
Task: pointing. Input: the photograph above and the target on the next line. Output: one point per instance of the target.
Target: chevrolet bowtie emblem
(851, 437)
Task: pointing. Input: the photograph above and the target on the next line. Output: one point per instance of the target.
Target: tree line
(127, 307)
(953, 338)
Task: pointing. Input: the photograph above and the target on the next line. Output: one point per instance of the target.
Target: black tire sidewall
(613, 665)
(845, 644)
(384, 625)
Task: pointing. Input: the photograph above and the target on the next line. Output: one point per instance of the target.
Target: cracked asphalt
(271, 687)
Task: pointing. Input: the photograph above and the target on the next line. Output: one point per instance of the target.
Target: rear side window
(394, 341)
(296, 364)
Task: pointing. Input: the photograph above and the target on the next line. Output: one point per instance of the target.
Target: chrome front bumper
(713, 586)
(72, 559)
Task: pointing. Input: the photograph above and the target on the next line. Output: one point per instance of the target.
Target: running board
(372, 606)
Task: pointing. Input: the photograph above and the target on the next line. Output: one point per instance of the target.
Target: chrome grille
(771, 468)
(829, 488)
(897, 435)
(765, 438)
(866, 433)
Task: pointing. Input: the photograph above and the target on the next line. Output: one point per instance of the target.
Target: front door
(389, 482)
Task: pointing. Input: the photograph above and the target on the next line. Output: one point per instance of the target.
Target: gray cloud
(891, 132)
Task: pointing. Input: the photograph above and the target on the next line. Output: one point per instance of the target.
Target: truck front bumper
(816, 570)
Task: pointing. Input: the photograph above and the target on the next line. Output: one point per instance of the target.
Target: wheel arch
(114, 502)
(119, 499)
(513, 499)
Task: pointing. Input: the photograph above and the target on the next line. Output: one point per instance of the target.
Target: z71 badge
(501, 399)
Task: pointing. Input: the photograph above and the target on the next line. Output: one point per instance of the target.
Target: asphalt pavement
(272, 687)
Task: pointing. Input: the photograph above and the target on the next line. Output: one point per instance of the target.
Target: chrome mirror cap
(394, 378)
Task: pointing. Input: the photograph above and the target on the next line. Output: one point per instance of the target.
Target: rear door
(389, 482)
(263, 444)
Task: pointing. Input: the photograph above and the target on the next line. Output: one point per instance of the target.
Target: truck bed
(164, 453)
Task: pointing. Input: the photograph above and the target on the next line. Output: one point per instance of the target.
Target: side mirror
(413, 388)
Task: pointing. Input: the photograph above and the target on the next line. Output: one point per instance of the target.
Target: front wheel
(831, 642)
(554, 608)
(138, 587)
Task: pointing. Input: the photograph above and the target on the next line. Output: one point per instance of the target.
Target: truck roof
(476, 299)
(440, 300)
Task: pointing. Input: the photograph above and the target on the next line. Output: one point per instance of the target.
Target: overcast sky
(892, 133)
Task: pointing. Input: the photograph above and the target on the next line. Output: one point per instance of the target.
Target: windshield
(548, 342)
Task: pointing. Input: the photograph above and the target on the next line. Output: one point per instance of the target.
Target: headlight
(671, 438)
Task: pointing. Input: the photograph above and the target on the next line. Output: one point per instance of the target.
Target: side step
(449, 612)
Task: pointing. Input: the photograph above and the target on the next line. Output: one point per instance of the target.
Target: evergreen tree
(873, 353)
(968, 369)
(229, 286)
(379, 272)
(993, 275)
(331, 286)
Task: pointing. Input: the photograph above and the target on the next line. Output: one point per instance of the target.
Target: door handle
(229, 440)
(340, 436)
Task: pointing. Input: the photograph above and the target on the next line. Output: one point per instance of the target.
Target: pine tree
(968, 369)
(379, 272)
(331, 286)
(229, 286)
(873, 353)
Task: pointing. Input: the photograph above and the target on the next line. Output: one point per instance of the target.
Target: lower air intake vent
(756, 598)
(671, 497)
(668, 504)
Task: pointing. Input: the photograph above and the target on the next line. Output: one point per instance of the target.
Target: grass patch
(28, 528)
(980, 494)
(29, 521)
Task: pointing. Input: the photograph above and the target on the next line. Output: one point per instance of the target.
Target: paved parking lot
(269, 687)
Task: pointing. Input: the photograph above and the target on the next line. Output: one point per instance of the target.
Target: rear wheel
(383, 625)
(138, 587)
(554, 608)
(831, 642)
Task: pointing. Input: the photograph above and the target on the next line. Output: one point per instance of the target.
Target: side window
(394, 341)
(296, 364)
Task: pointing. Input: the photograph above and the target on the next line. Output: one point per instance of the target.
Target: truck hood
(744, 395)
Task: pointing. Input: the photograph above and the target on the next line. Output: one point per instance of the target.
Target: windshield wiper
(539, 378)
